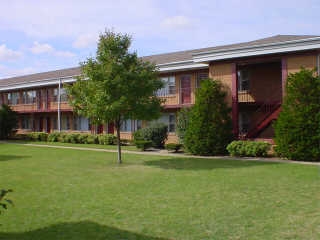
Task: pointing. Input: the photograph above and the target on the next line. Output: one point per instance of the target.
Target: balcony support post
(59, 111)
(284, 74)
(235, 106)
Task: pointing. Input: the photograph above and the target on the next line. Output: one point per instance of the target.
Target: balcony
(170, 97)
(41, 105)
(176, 98)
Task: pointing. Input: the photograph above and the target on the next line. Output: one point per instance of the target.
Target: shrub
(53, 137)
(107, 139)
(173, 147)
(143, 144)
(91, 139)
(182, 122)
(157, 133)
(297, 129)
(248, 149)
(8, 121)
(209, 129)
(37, 136)
(71, 138)
(82, 138)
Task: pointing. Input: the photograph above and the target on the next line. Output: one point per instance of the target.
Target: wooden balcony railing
(41, 105)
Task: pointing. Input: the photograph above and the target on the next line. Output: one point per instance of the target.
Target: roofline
(39, 83)
(200, 60)
(258, 49)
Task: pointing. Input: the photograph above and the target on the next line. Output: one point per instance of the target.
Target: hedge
(82, 138)
(248, 149)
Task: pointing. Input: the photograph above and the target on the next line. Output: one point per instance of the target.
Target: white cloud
(85, 40)
(176, 22)
(39, 48)
(7, 54)
(6, 72)
(45, 48)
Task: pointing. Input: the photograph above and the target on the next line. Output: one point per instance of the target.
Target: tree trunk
(118, 141)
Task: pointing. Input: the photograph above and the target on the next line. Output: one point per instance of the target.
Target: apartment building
(254, 74)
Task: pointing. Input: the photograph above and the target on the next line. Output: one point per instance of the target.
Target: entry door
(41, 124)
(185, 89)
(48, 125)
(111, 128)
(100, 129)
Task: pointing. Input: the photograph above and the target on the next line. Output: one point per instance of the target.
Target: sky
(38, 36)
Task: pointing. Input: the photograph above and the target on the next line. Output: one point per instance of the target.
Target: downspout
(59, 100)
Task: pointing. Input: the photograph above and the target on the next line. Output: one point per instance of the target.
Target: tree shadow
(77, 231)
(4, 158)
(203, 163)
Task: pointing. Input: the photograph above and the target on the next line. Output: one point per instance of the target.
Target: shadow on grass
(202, 164)
(77, 231)
(11, 157)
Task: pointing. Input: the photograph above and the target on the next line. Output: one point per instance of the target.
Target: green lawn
(109, 147)
(70, 194)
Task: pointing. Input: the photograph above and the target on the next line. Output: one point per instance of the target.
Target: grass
(109, 147)
(70, 194)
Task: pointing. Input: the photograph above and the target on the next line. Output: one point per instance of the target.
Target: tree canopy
(297, 129)
(8, 121)
(116, 85)
(209, 128)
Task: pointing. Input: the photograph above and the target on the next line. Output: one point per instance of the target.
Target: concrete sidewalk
(165, 153)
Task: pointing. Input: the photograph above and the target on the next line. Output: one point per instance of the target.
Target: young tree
(209, 130)
(116, 85)
(8, 121)
(297, 129)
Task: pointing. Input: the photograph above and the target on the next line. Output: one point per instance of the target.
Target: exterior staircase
(271, 113)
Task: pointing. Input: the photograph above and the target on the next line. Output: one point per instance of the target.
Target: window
(29, 97)
(172, 122)
(13, 98)
(63, 95)
(25, 122)
(65, 123)
(244, 122)
(55, 94)
(80, 123)
(54, 123)
(169, 119)
(200, 77)
(243, 80)
(126, 126)
(169, 86)
(139, 124)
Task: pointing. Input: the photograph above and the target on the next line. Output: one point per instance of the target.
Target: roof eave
(263, 49)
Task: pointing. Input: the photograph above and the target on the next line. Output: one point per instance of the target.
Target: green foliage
(8, 121)
(107, 139)
(91, 139)
(156, 132)
(53, 137)
(116, 85)
(3, 200)
(37, 136)
(209, 130)
(248, 149)
(173, 147)
(182, 122)
(143, 144)
(297, 130)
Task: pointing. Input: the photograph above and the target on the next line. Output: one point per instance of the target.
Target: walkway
(165, 153)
